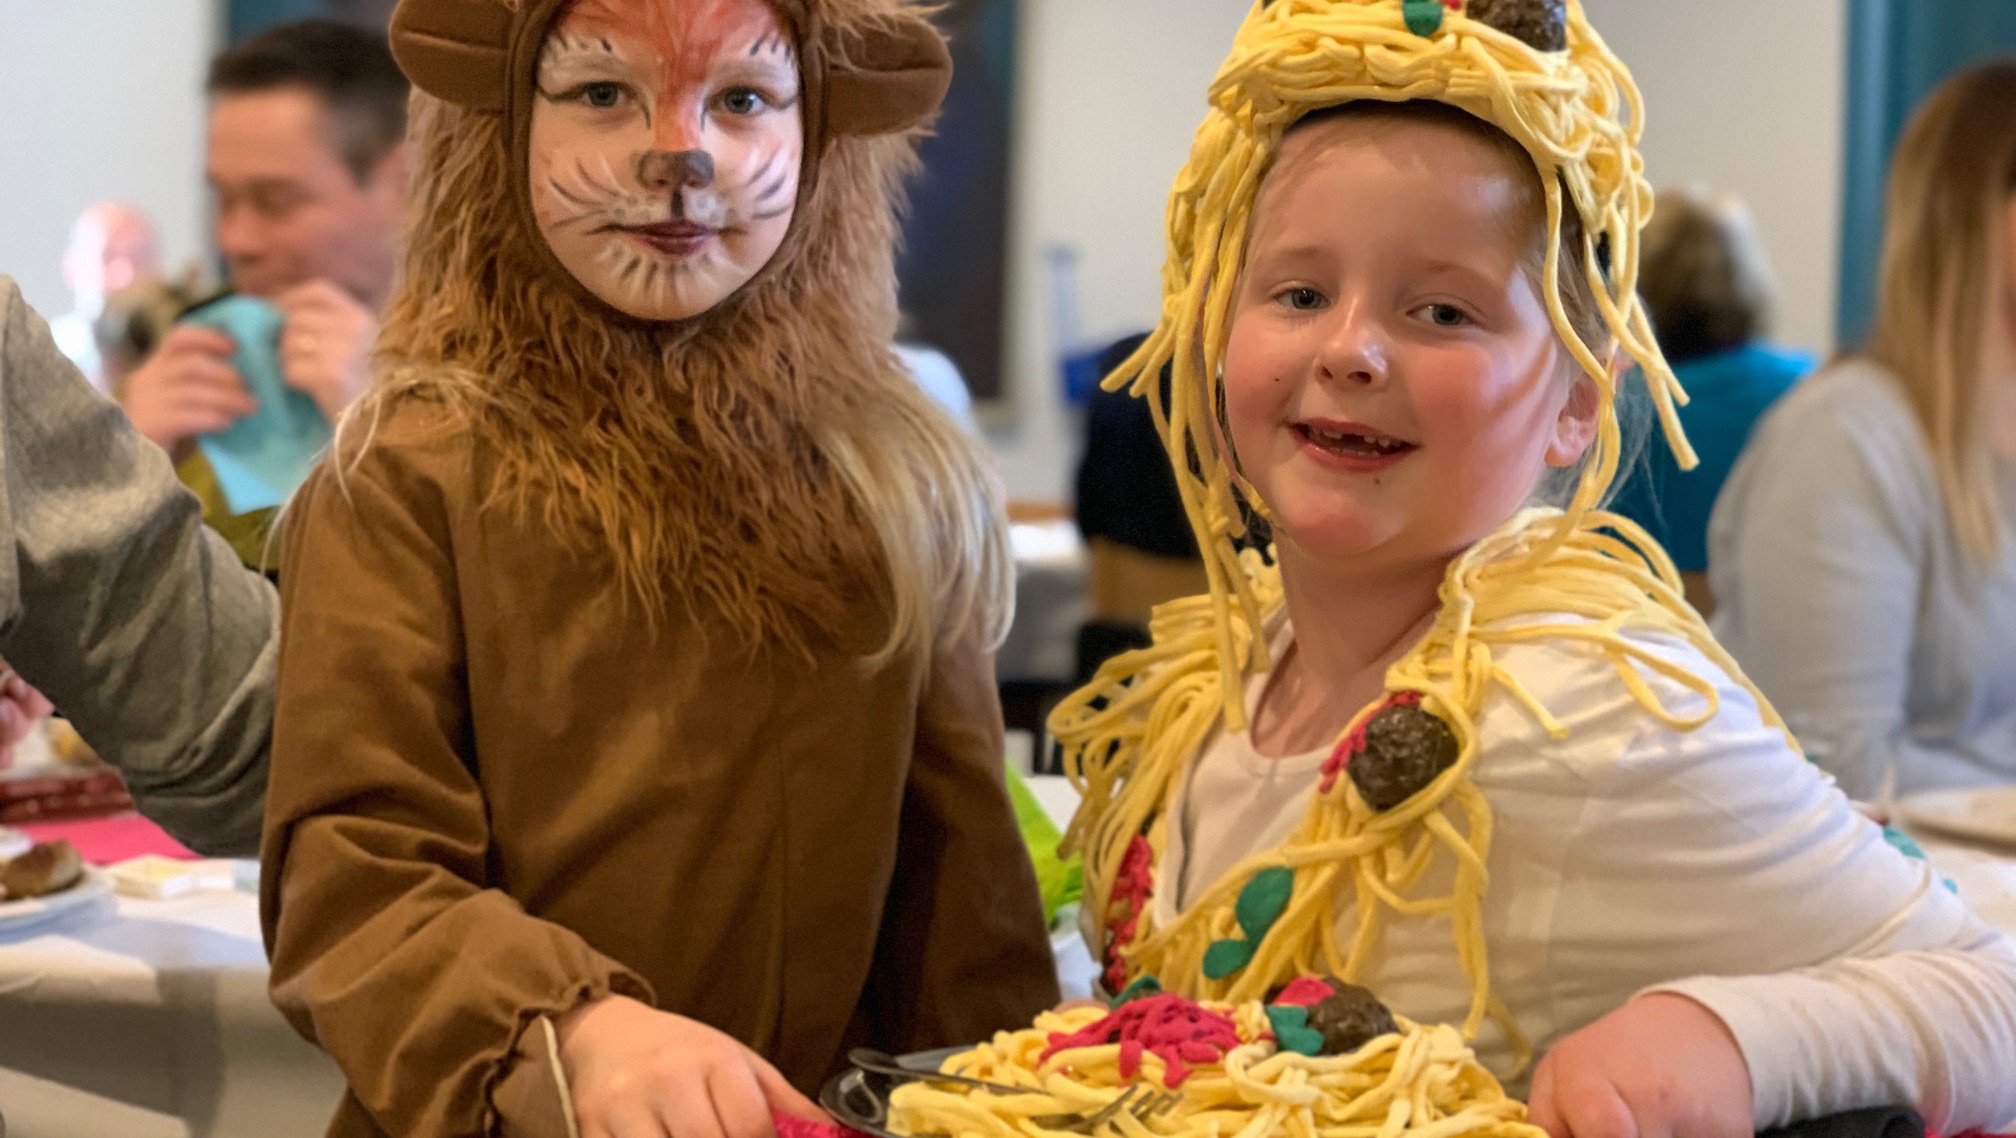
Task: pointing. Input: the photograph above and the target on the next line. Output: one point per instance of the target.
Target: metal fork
(1157, 1104)
(1078, 1122)
(1142, 1109)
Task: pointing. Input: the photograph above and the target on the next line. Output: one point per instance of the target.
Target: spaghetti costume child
(1566, 794)
(635, 681)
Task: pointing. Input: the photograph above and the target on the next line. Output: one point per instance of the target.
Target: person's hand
(636, 1072)
(325, 345)
(187, 388)
(21, 708)
(1661, 1066)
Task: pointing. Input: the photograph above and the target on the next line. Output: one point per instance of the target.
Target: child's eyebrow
(572, 47)
(778, 70)
(774, 45)
(1452, 265)
(1309, 251)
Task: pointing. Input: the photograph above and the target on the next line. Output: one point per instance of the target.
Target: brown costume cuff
(527, 1096)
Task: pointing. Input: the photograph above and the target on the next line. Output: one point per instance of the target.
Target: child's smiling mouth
(1350, 446)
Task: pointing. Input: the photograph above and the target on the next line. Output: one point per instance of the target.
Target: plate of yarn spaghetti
(1318, 1059)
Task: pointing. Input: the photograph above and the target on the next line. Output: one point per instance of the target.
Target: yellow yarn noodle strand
(1421, 1082)
(1128, 734)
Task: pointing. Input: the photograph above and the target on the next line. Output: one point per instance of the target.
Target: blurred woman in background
(1709, 293)
(1862, 550)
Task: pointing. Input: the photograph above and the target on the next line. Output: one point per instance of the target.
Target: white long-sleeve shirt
(1717, 864)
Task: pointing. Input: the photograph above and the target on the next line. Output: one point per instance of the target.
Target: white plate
(34, 910)
(13, 843)
(1984, 815)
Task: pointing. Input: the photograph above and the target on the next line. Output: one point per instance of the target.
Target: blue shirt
(1728, 392)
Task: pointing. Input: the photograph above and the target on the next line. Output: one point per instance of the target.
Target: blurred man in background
(306, 157)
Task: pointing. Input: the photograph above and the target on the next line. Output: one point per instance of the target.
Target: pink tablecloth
(104, 841)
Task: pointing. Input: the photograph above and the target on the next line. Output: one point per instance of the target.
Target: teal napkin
(264, 457)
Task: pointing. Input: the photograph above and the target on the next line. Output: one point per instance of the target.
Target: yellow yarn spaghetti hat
(1533, 68)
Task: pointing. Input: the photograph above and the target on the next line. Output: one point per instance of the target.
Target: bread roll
(47, 867)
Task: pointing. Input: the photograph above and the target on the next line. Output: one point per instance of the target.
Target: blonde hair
(1951, 183)
(1703, 277)
(769, 467)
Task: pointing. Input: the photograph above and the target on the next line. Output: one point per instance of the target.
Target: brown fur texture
(768, 466)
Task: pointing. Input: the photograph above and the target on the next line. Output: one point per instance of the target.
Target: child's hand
(1661, 1066)
(636, 1072)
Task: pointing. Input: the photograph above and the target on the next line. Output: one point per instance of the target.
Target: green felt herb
(1260, 904)
(1225, 957)
(1140, 989)
(1292, 1030)
(1424, 17)
(1263, 900)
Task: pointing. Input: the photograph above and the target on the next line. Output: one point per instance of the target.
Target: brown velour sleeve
(963, 950)
(389, 948)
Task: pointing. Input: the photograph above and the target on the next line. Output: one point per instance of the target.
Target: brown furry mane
(769, 465)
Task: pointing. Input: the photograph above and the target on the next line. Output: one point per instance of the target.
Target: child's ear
(1575, 427)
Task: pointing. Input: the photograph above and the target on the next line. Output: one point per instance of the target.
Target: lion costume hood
(767, 462)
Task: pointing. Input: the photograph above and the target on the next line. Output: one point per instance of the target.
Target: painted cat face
(667, 140)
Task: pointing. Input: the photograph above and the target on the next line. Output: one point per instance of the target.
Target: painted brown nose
(676, 169)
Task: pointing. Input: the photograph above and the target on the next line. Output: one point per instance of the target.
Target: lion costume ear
(888, 78)
(457, 50)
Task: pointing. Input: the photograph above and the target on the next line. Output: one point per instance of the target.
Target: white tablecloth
(150, 1019)
(138, 1019)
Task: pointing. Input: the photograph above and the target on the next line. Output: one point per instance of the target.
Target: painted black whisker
(775, 188)
(553, 183)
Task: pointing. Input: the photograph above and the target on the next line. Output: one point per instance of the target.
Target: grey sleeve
(133, 618)
(1818, 549)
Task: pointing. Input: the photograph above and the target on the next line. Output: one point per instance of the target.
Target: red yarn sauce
(1181, 1031)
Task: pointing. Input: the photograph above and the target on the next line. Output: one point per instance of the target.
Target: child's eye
(602, 96)
(743, 101)
(1301, 299)
(1444, 315)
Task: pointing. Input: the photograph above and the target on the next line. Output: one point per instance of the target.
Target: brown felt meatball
(1405, 748)
(1350, 1019)
(1541, 24)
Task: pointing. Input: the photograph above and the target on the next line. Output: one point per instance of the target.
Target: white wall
(1109, 93)
(99, 99)
(1745, 95)
(1749, 97)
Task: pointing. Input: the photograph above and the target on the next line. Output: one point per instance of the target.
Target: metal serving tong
(1142, 1105)
(881, 1063)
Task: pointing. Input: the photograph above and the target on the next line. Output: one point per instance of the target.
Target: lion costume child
(636, 628)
